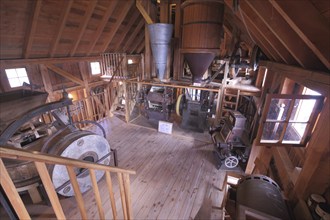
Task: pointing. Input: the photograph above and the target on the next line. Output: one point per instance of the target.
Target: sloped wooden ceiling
(294, 32)
(288, 31)
(68, 28)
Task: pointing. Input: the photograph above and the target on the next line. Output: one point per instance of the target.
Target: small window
(96, 68)
(17, 77)
(289, 119)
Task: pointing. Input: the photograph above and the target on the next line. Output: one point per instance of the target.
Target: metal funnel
(160, 38)
(198, 64)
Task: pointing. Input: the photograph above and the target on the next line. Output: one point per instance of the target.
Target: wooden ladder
(230, 100)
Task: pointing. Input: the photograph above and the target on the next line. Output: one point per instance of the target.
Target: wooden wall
(52, 75)
(312, 175)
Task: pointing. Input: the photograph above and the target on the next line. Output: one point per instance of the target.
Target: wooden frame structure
(40, 161)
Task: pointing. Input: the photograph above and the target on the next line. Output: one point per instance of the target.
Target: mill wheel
(231, 162)
(81, 145)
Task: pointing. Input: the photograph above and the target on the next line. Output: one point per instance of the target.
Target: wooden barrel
(202, 24)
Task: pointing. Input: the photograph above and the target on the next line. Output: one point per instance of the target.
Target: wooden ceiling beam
(133, 35)
(65, 74)
(120, 19)
(264, 41)
(316, 42)
(31, 29)
(137, 42)
(20, 62)
(143, 12)
(266, 37)
(102, 24)
(60, 27)
(280, 28)
(127, 28)
(82, 28)
(140, 47)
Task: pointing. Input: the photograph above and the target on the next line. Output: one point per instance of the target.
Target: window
(289, 119)
(95, 67)
(17, 77)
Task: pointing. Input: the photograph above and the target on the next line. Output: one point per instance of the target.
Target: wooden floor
(175, 175)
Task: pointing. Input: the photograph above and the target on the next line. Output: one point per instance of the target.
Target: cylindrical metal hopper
(160, 38)
(201, 34)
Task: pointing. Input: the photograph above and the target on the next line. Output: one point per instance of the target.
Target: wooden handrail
(40, 161)
(20, 154)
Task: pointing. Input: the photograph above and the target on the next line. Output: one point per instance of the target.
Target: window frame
(17, 77)
(91, 69)
(310, 123)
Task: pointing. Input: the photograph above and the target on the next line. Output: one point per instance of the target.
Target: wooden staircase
(40, 161)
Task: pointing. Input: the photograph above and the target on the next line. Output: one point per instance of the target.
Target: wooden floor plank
(173, 172)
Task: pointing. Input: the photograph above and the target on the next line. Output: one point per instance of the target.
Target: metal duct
(160, 37)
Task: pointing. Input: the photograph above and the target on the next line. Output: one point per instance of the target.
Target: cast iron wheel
(231, 162)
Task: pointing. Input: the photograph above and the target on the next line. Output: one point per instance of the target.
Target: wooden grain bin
(202, 24)
(201, 34)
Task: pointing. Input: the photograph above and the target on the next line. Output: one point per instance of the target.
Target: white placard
(165, 127)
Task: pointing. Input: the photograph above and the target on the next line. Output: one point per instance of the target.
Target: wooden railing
(40, 161)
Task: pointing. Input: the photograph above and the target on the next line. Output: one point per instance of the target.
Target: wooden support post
(107, 102)
(177, 64)
(77, 192)
(122, 195)
(148, 58)
(48, 184)
(111, 195)
(97, 193)
(128, 195)
(220, 94)
(85, 76)
(47, 82)
(164, 11)
(317, 150)
(126, 95)
(12, 194)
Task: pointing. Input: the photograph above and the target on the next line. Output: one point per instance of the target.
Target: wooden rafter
(143, 12)
(280, 28)
(137, 42)
(101, 26)
(31, 29)
(312, 38)
(61, 26)
(82, 28)
(267, 44)
(264, 35)
(133, 35)
(20, 62)
(140, 47)
(120, 19)
(127, 28)
(65, 74)
(47, 82)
